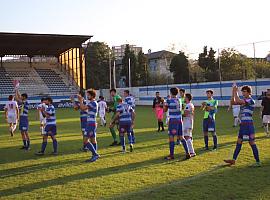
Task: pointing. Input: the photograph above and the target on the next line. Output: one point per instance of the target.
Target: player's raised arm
(82, 106)
(236, 98)
(18, 96)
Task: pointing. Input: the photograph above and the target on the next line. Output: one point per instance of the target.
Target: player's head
(24, 96)
(268, 93)
(188, 97)
(42, 100)
(209, 93)
(182, 92)
(91, 94)
(246, 91)
(10, 97)
(113, 92)
(157, 94)
(48, 100)
(82, 93)
(126, 93)
(174, 91)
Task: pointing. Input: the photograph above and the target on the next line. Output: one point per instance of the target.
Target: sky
(185, 25)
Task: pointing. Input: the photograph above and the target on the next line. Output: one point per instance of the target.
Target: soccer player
(158, 104)
(247, 131)
(188, 121)
(126, 115)
(11, 114)
(175, 123)
(83, 116)
(24, 123)
(90, 140)
(167, 113)
(182, 93)
(235, 111)
(42, 118)
(102, 107)
(50, 127)
(130, 100)
(116, 98)
(209, 123)
(266, 112)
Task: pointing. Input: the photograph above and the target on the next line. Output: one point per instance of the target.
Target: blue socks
(91, 148)
(215, 141)
(95, 146)
(55, 146)
(122, 140)
(184, 142)
(43, 146)
(130, 138)
(133, 136)
(255, 152)
(206, 141)
(171, 145)
(237, 151)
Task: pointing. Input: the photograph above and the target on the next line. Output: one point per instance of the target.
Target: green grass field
(143, 174)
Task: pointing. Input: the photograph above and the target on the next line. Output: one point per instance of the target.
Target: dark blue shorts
(247, 132)
(83, 124)
(175, 127)
(125, 128)
(24, 124)
(209, 125)
(50, 130)
(90, 132)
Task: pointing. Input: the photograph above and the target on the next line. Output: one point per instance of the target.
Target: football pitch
(142, 174)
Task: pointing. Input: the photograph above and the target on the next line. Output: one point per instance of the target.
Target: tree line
(231, 65)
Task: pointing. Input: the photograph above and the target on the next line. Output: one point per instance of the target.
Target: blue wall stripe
(206, 86)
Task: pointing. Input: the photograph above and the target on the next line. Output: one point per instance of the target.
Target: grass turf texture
(143, 174)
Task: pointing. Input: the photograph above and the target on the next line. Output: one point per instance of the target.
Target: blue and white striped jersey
(83, 113)
(175, 107)
(130, 100)
(125, 111)
(51, 119)
(24, 107)
(246, 110)
(92, 112)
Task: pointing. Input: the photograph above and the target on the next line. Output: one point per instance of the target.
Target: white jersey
(40, 106)
(11, 107)
(188, 119)
(102, 106)
(236, 110)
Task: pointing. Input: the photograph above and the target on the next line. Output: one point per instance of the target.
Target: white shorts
(42, 121)
(187, 132)
(101, 114)
(236, 112)
(12, 118)
(266, 119)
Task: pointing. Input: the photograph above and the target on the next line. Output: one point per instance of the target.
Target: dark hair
(49, 99)
(157, 92)
(182, 90)
(189, 96)
(247, 88)
(82, 93)
(10, 97)
(174, 91)
(42, 99)
(126, 91)
(24, 95)
(113, 90)
(211, 91)
(101, 97)
(92, 92)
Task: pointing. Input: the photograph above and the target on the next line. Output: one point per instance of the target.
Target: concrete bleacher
(35, 80)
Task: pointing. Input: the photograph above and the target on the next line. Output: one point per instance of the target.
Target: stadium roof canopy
(38, 44)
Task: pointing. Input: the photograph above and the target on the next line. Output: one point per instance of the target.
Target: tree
(208, 63)
(97, 65)
(133, 66)
(179, 68)
(142, 69)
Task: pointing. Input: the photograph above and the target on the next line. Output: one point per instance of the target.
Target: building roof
(160, 54)
(38, 44)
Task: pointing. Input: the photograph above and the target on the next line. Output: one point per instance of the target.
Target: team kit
(179, 111)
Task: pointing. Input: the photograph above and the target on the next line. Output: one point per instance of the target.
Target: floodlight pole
(114, 75)
(254, 67)
(110, 70)
(129, 74)
(220, 78)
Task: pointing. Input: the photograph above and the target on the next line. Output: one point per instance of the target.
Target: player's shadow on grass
(221, 182)
(80, 176)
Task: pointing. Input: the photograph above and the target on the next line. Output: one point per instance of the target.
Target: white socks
(190, 146)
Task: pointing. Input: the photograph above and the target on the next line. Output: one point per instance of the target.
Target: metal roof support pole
(81, 70)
